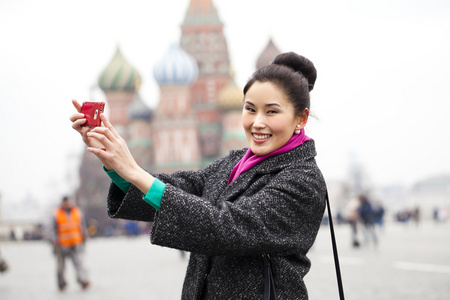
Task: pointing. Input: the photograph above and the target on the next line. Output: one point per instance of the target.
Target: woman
(268, 199)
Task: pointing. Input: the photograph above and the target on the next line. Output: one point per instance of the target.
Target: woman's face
(268, 118)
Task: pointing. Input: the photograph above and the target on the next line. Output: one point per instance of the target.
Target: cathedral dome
(231, 97)
(119, 75)
(268, 55)
(138, 109)
(176, 67)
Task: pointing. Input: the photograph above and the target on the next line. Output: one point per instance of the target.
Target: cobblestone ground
(408, 263)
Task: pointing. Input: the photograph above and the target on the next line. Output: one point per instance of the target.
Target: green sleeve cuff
(119, 181)
(154, 194)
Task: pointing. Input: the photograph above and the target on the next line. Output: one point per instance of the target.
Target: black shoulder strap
(335, 252)
(269, 286)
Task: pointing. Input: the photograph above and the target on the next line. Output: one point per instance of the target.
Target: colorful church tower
(120, 82)
(174, 126)
(202, 37)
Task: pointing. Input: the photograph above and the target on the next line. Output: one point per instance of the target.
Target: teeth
(261, 137)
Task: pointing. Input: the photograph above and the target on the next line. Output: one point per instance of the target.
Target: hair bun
(299, 64)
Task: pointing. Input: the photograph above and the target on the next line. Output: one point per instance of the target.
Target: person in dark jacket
(264, 201)
(367, 215)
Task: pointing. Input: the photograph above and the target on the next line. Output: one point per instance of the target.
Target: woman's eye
(272, 112)
(250, 109)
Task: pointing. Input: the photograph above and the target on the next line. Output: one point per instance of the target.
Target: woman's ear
(303, 119)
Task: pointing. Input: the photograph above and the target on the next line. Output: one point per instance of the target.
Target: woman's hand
(114, 150)
(111, 149)
(78, 121)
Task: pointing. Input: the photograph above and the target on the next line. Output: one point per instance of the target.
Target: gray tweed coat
(276, 208)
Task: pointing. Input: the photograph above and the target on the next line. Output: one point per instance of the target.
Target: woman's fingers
(77, 105)
(102, 136)
(106, 131)
(98, 151)
(78, 124)
(102, 155)
(78, 118)
(108, 124)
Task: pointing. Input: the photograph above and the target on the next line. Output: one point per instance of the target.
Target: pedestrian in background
(3, 264)
(367, 216)
(351, 215)
(255, 208)
(68, 237)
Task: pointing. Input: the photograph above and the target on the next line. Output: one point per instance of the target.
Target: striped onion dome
(119, 75)
(268, 55)
(139, 110)
(231, 96)
(176, 67)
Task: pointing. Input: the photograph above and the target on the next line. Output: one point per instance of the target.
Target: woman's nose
(259, 121)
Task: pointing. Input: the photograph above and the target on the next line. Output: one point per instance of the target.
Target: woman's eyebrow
(267, 105)
(273, 104)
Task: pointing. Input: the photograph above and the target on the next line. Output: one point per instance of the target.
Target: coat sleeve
(131, 206)
(281, 213)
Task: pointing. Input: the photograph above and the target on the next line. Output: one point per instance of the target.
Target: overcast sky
(381, 97)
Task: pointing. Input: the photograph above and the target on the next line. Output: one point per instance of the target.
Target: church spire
(201, 12)
(202, 37)
(267, 55)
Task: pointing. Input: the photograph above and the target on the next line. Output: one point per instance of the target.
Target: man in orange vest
(69, 237)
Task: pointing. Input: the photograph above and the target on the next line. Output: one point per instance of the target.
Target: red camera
(92, 111)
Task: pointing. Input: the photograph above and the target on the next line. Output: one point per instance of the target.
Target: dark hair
(292, 73)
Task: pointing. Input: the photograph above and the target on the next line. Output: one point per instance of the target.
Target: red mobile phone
(92, 111)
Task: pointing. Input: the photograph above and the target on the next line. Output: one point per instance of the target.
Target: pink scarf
(250, 160)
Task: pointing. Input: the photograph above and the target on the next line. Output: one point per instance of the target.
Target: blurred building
(431, 195)
(197, 119)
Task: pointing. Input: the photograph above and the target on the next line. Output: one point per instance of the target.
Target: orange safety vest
(69, 227)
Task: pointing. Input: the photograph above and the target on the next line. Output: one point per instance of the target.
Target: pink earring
(298, 130)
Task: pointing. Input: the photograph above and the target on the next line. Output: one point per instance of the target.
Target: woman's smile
(260, 138)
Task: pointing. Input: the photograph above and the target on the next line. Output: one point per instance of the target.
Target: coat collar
(296, 156)
(274, 164)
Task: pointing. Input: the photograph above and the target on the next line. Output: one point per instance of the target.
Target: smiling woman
(254, 208)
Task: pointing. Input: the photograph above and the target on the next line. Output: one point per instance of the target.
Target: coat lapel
(271, 165)
(240, 184)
